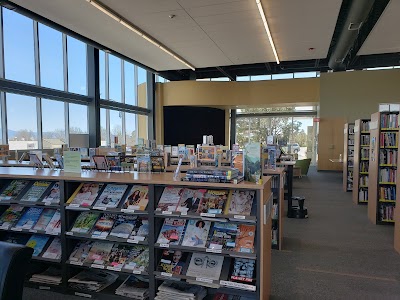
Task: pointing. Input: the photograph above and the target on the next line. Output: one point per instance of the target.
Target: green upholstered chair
(303, 165)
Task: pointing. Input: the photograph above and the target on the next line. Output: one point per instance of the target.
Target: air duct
(358, 12)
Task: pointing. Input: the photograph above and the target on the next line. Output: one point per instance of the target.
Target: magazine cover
(54, 250)
(189, 291)
(10, 216)
(213, 202)
(80, 252)
(243, 270)
(206, 153)
(85, 194)
(37, 242)
(157, 164)
(85, 222)
(111, 195)
(169, 199)
(123, 226)
(137, 198)
(190, 200)
(205, 265)
(54, 225)
(138, 259)
(141, 230)
(196, 233)
(252, 162)
(143, 163)
(44, 219)
(245, 238)
(36, 191)
(53, 196)
(99, 252)
(172, 261)
(240, 202)
(103, 225)
(223, 236)
(16, 238)
(29, 218)
(13, 190)
(237, 161)
(134, 285)
(171, 231)
(118, 256)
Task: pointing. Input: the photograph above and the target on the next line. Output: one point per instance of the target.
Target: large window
(130, 83)
(116, 127)
(131, 133)
(115, 80)
(102, 71)
(103, 126)
(141, 89)
(77, 73)
(78, 118)
(53, 124)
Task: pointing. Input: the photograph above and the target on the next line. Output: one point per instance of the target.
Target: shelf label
(239, 217)
(100, 237)
(132, 241)
(127, 210)
(164, 245)
(238, 285)
(140, 238)
(69, 233)
(83, 295)
(96, 266)
(207, 215)
(76, 263)
(100, 207)
(114, 269)
(166, 274)
(16, 229)
(74, 205)
(214, 250)
(167, 212)
(137, 272)
(207, 280)
(47, 203)
(32, 230)
(52, 255)
(183, 213)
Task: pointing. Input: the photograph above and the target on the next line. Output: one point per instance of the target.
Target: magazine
(169, 199)
(53, 196)
(16, 238)
(171, 231)
(137, 198)
(141, 230)
(54, 250)
(118, 256)
(13, 190)
(99, 252)
(205, 265)
(240, 202)
(37, 242)
(85, 222)
(196, 233)
(36, 191)
(190, 200)
(54, 226)
(44, 219)
(243, 270)
(252, 162)
(80, 252)
(103, 225)
(135, 287)
(237, 161)
(138, 259)
(10, 216)
(143, 163)
(172, 261)
(245, 238)
(111, 195)
(85, 194)
(180, 290)
(213, 202)
(92, 280)
(123, 226)
(223, 236)
(29, 218)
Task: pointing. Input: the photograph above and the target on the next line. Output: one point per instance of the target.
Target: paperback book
(85, 194)
(80, 252)
(103, 226)
(138, 259)
(85, 222)
(169, 199)
(171, 231)
(240, 202)
(118, 256)
(245, 238)
(10, 216)
(54, 226)
(111, 195)
(53, 196)
(99, 253)
(204, 265)
(213, 202)
(223, 236)
(37, 243)
(13, 190)
(252, 162)
(44, 219)
(29, 218)
(137, 198)
(196, 233)
(172, 261)
(243, 270)
(54, 250)
(123, 226)
(190, 200)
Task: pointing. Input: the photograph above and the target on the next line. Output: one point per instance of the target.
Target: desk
(289, 182)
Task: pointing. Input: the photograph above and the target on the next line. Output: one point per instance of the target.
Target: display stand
(288, 165)
(260, 217)
(361, 161)
(348, 157)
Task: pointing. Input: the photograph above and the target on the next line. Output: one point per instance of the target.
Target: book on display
(137, 198)
(213, 202)
(85, 194)
(54, 226)
(169, 199)
(223, 236)
(10, 216)
(85, 222)
(80, 253)
(44, 219)
(103, 225)
(37, 243)
(53, 196)
(245, 238)
(13, 190)
(190, 199)
(36, 191)
(252, 162)
(111, 195)
(123, 226)
(99, 253)
(29, 218)
(54, 250)
(171, 231)
(141, 230)
(205, 265)
(196, 233)
(118, 256)
(243, 270)
(240, 202)
(172, 261)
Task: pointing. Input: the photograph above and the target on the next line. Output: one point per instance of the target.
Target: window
(220, 79)
(78, 118)
(51, 58)
(260, 77)
(18, 47)
(102, 74)
(130, 83)
(282, 76)
(53, 124)
(116, 127)
(77, 58)
(103, 126)
(130, 129)
(114, 80)
(243, 78)
(203, 79)
(305, 74)
(142, 86)
(22, 122)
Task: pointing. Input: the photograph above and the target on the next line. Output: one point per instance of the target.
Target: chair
(14, 263)
(301, 167)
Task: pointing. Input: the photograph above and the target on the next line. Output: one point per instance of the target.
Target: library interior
(199, 149)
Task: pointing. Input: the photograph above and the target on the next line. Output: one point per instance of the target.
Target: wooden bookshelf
(383, 159)
(348, 157)
(361, 161)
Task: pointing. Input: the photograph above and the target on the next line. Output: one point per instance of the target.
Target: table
(289, 181)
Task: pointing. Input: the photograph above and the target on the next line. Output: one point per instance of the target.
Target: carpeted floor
(335, 254)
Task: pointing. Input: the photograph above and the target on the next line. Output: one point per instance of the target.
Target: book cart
(361, 161)
(260, 217)
(348, 157)
(383, 167)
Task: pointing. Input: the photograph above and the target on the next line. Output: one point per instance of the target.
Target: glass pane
(22, 123)
(243, 78)
(130, 84)
(103, 126)
(102, 74)
(51, 58)
(203, 79)
(77, 81)
(116, 127)
(142, 87)
(18, 47)
(260, 77)
(78, 118)
(282, 76)
(53, 124)
(114, 85)
(130, 128)
(305, 74)
(220, 79)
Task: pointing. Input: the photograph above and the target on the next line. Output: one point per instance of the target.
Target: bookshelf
(383, 167)
(361, 161)
(260, 217)
(348, 157)
(397, 217)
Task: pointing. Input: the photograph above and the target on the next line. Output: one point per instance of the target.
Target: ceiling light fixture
(264, 19)
(138, 32)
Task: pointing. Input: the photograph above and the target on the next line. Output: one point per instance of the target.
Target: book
(10, 216)
(98, 253)
(252, 162)
(245, 238)
(54, 226)
(143, 163)
(138, 259)
(237, 161)
(171, 231)
(100, 162)
(54, 250)
(111, 195)
(157, 164)
(137, 198)
(213, 202)
(196, 233)
(169, 199)
(172, 261)
(29, 218)
(85, 194)
(36, 191)
(81, 251)
(13, 190)
(190, 200)
(240, 202)
(223, 236)
(205, 265)
(243, 270)
(85, 222)
(53, 195)
(44, 219)
(103, 225)
(52, 275)
(37, 243)
(118, 256)
(141, 230)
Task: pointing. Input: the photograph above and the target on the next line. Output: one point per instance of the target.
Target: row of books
(350, 162)
(35, 219)
(386, 212)
(388, 139)
(29, 191)
(350, 152)
(387, 175)
(207, 174)
(275, 211)
(206, 234)
(388, 156)
(387, 192)
(364, 153)
(389, 121)
(363, 194)
(364, 180)
(274, 235)
(351, 129)
(51, 276)
(364, 139)
(364, 126)
(364, 165)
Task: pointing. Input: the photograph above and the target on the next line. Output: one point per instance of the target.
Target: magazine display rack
(260, 218)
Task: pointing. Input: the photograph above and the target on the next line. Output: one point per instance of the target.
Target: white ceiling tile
(220, 9)
(200, 3)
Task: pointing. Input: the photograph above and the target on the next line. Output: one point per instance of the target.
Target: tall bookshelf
(361, 161)
(348, 157)
(397, 217)
(382, 170)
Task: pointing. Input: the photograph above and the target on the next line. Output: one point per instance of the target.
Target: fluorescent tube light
(104, 10)
(264, 19)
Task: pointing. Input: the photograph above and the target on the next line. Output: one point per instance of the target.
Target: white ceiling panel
(199, 3)
(384, 37)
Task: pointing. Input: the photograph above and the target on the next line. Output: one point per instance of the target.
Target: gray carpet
(335, 254)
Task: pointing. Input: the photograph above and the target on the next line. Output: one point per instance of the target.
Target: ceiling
(227, 37)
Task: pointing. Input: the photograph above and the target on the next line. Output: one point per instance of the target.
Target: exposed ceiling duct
(358, 13)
